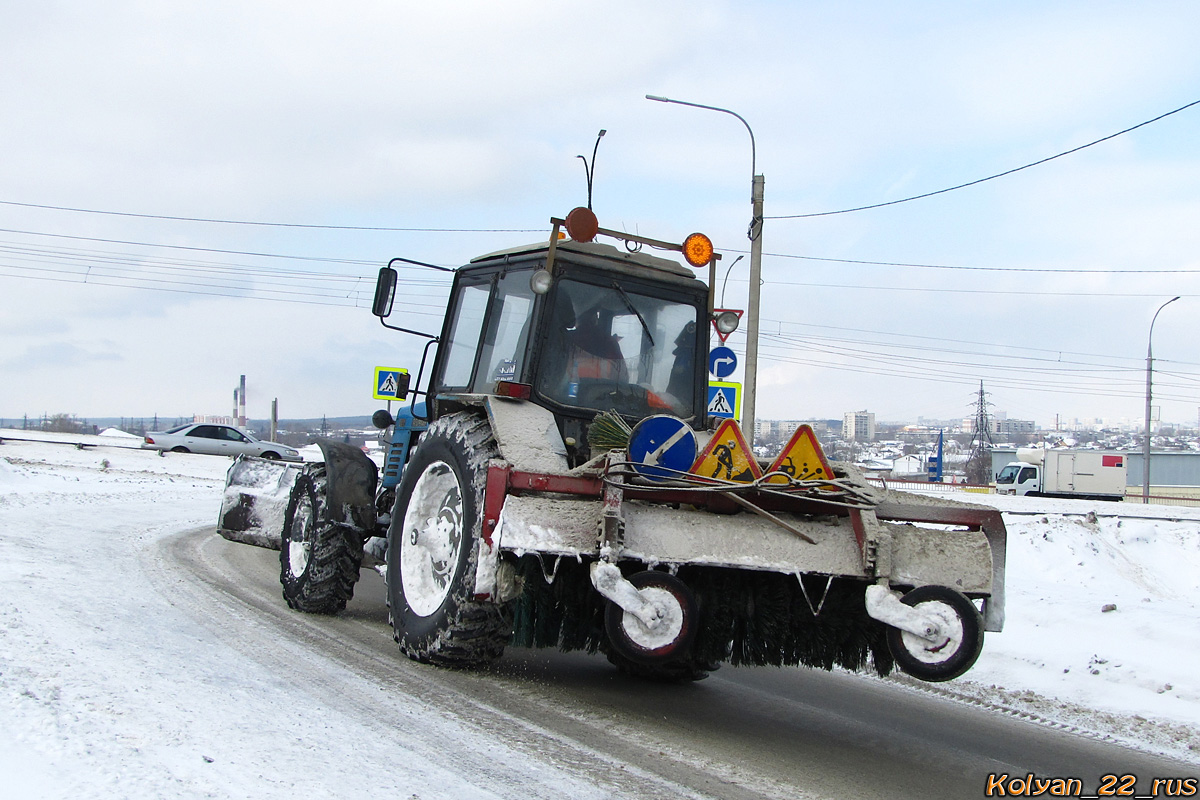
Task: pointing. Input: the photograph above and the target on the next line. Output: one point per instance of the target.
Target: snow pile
(117, 433)
(1102, 615)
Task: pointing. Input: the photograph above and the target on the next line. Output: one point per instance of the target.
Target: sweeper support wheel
(670, 635)
(957, 644)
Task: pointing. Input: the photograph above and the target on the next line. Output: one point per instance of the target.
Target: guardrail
(1188, 495)
(1163, 499)
(925, 486)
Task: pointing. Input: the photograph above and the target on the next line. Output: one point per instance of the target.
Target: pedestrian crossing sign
(724, 399)
(801, 459)
(390, 383)
(727, 456)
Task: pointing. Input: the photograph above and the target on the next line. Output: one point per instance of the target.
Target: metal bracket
(612, 524)
(884, 605)
(609, 582)
(816, 612)
(874, 541)
(553, 573)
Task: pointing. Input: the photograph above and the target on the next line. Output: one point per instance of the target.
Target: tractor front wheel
(319, 559)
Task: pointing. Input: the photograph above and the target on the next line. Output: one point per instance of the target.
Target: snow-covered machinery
(571, 491)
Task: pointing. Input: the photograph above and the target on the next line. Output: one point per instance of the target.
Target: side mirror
(385, 292)
(382, 419)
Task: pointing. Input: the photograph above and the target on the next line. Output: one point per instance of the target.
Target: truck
(560, 483)
(1079, 474)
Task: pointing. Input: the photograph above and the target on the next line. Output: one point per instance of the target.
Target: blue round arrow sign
(722, 362)
(661, 446)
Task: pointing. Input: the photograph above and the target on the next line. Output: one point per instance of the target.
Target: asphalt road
(742, 733)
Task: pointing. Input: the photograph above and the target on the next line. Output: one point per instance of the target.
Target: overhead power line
(967, 291)
(989, 177)
(964, 268)
(171, 218)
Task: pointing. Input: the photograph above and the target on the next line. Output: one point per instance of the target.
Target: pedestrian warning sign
(723, 399)
(390, 383)
(801, 459)
(727, 457)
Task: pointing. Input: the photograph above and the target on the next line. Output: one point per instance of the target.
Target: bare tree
(64, 423)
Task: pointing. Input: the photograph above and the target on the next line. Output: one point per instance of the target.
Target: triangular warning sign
(727, 456)
(801, 459)
(720, 406)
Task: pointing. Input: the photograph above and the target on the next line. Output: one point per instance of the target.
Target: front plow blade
(255, 501)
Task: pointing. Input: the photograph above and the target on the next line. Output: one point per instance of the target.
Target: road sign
(727, 456)
(661, 446)
(390, 383)
(724, 399)
(722, 362)
(801, 459)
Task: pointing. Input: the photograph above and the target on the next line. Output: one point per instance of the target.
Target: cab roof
(595, 250)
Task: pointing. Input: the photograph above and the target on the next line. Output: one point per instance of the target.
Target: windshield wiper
(629, 305)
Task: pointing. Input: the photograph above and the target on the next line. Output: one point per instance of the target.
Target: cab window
(464, 335)
(502, 354)
(610, 347)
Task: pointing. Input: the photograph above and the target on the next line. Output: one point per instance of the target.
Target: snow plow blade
(257, 491)
(255, 500)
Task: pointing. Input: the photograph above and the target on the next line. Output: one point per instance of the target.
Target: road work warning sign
(801, 459)
(390, 383)
(727, 457)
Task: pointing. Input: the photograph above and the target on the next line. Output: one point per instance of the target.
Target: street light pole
(1149, 380)
(750, 381)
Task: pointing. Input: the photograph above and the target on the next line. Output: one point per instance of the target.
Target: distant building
(999, 424)
(781, 429)
(1011, 426)
(858, 426)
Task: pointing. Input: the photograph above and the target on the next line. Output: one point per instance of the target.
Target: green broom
(608, 431)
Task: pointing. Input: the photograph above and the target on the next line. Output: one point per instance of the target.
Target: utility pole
(751, 369)
(750, 380)
(1149, 380)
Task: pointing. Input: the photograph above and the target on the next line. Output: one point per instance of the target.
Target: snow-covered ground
(108, 689)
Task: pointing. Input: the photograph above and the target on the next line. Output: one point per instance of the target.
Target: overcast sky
(469, 115)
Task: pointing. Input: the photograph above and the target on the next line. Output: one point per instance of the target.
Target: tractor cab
(578, 328)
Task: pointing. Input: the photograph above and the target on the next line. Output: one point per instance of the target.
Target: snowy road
(751, 733)
(143, 656)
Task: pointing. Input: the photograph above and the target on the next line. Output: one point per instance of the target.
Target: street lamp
(755, 235)
(1149, 378)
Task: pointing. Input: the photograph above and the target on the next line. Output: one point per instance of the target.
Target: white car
(217, 440)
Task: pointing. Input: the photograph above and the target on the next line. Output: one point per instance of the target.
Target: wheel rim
(300, 537)
(948, 643)
(431, 539)
(669, 628)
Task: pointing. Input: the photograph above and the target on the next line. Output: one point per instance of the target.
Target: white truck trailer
(1080, 474)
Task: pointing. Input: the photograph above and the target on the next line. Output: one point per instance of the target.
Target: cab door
(486, 336)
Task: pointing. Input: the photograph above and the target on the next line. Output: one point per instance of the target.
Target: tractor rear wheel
(433, 548)
(957, 647)
(319, 559)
